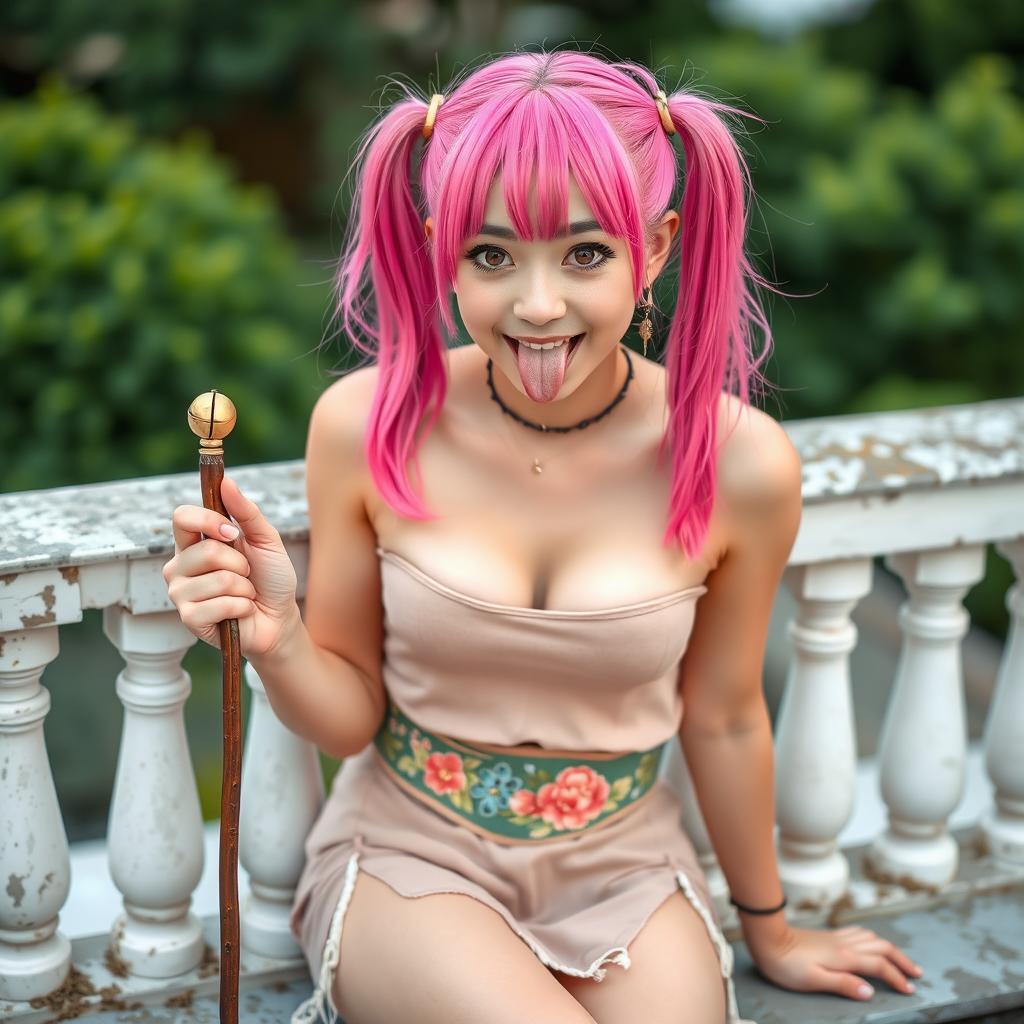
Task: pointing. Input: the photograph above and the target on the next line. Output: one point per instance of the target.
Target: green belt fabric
(513, 798)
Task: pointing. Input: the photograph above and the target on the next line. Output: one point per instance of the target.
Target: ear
(428, 226)
(660, 244)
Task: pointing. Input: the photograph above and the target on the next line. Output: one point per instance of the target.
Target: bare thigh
(444, 958)
(674, 977)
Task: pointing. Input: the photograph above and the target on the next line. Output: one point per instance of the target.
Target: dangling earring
(645, 325)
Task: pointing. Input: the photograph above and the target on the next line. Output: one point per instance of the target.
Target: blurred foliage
(919, 44)
(897, 221)
(165, 61)
(133, 276)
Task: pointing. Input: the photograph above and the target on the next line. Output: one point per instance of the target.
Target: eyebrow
(576, 228)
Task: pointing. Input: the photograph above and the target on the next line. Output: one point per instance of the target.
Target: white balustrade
(892, 485)
(155, 832)
(1003, 827)
(923, 744)
(34, 865)
(816, 753)
(282, 792)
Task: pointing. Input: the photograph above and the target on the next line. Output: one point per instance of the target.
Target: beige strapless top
(597, 680)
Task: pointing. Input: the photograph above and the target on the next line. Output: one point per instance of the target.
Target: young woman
(582, 570)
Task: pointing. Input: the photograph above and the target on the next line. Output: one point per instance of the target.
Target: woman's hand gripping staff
(246, 574)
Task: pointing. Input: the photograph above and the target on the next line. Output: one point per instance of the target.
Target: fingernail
(231, 532)
(910, 987)
(865, 990)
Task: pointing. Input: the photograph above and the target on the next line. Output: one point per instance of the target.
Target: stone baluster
(923, 744)
(155, 834)
(815, 742)
(35, 870)
(1003, 826)
(282, 792)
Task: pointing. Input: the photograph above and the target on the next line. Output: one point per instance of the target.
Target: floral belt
(510, 797)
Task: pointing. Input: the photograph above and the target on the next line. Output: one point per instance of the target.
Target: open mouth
(574, 343)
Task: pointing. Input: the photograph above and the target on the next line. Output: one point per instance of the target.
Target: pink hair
(543, 116)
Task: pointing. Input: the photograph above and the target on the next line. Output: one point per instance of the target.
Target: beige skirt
(576, 904)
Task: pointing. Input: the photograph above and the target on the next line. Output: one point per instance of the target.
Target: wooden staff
(212, 417)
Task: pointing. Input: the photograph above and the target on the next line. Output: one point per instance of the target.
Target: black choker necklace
(583, 424)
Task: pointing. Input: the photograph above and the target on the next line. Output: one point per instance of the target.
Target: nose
(540, 301)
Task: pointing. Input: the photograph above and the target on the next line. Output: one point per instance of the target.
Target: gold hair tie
(666, 118)
(428, 125)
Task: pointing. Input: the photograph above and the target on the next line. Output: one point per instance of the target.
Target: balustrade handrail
(859, 461)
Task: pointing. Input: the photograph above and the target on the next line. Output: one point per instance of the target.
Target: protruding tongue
(542, 370)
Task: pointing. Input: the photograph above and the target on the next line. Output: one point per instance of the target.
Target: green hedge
(900, 217)
(133, 276)
(165, 62)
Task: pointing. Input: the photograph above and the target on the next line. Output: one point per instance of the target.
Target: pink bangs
(534, 142)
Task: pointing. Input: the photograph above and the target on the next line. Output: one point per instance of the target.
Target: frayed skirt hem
(319, 1007)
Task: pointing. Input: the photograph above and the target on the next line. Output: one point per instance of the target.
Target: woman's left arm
(726, 732)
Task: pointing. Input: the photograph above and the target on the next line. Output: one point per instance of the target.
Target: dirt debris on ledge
(72, 999)
(210, 964)
(112, 959)
(77, 996)
(182, 1001)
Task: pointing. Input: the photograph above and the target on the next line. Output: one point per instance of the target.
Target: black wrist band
(751, 910)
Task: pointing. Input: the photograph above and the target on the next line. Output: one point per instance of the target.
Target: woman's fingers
(872, 943)
(190, 522)
(879, 966)
(212, 584)
(845, 984)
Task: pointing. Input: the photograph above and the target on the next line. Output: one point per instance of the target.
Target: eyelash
(600, 247)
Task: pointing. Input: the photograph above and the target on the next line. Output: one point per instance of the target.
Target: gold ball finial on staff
(211, 417)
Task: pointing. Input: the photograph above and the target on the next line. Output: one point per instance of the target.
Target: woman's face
(574, 292)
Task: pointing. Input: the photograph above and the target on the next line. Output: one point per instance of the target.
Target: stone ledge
(970, 950)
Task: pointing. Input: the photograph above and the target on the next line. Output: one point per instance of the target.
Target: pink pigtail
(537, 118)
(709, 341)
(387, 236)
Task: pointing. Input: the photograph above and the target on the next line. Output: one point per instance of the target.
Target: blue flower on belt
(495, 787)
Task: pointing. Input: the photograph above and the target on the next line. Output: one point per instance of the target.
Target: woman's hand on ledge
(825, 960)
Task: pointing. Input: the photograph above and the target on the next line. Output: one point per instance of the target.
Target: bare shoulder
(759, 470)
(337, 428)
(345, 404)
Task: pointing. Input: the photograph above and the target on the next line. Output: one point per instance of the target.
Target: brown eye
(591, 256)
(492, 255)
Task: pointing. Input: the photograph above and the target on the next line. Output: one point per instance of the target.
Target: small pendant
(537, 467)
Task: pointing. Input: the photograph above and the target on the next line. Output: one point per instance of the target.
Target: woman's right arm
(319, 694)
(324, 679)
(322, 674)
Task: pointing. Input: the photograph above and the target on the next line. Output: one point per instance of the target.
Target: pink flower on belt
(577, 796)
(443, 773)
